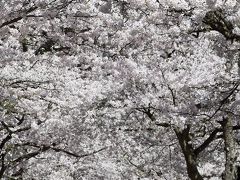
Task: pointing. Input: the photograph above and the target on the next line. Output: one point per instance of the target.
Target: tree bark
(188, 151)
(230, 150)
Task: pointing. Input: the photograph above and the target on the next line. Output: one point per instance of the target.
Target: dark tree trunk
(230, 150)
(188, 151)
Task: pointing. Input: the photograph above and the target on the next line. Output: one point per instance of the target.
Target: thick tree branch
(211, 138)
(3, 167)
(5, 140)
(14, 20)
(205, 144)
(216, 21)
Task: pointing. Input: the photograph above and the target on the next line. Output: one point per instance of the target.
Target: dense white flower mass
(116, 89)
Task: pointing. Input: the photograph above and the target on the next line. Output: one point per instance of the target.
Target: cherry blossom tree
(115, 89)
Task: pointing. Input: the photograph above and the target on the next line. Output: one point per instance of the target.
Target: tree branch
(222, 102)
(43, 148)
(3, 167)
(205, 144)
(14, 20)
